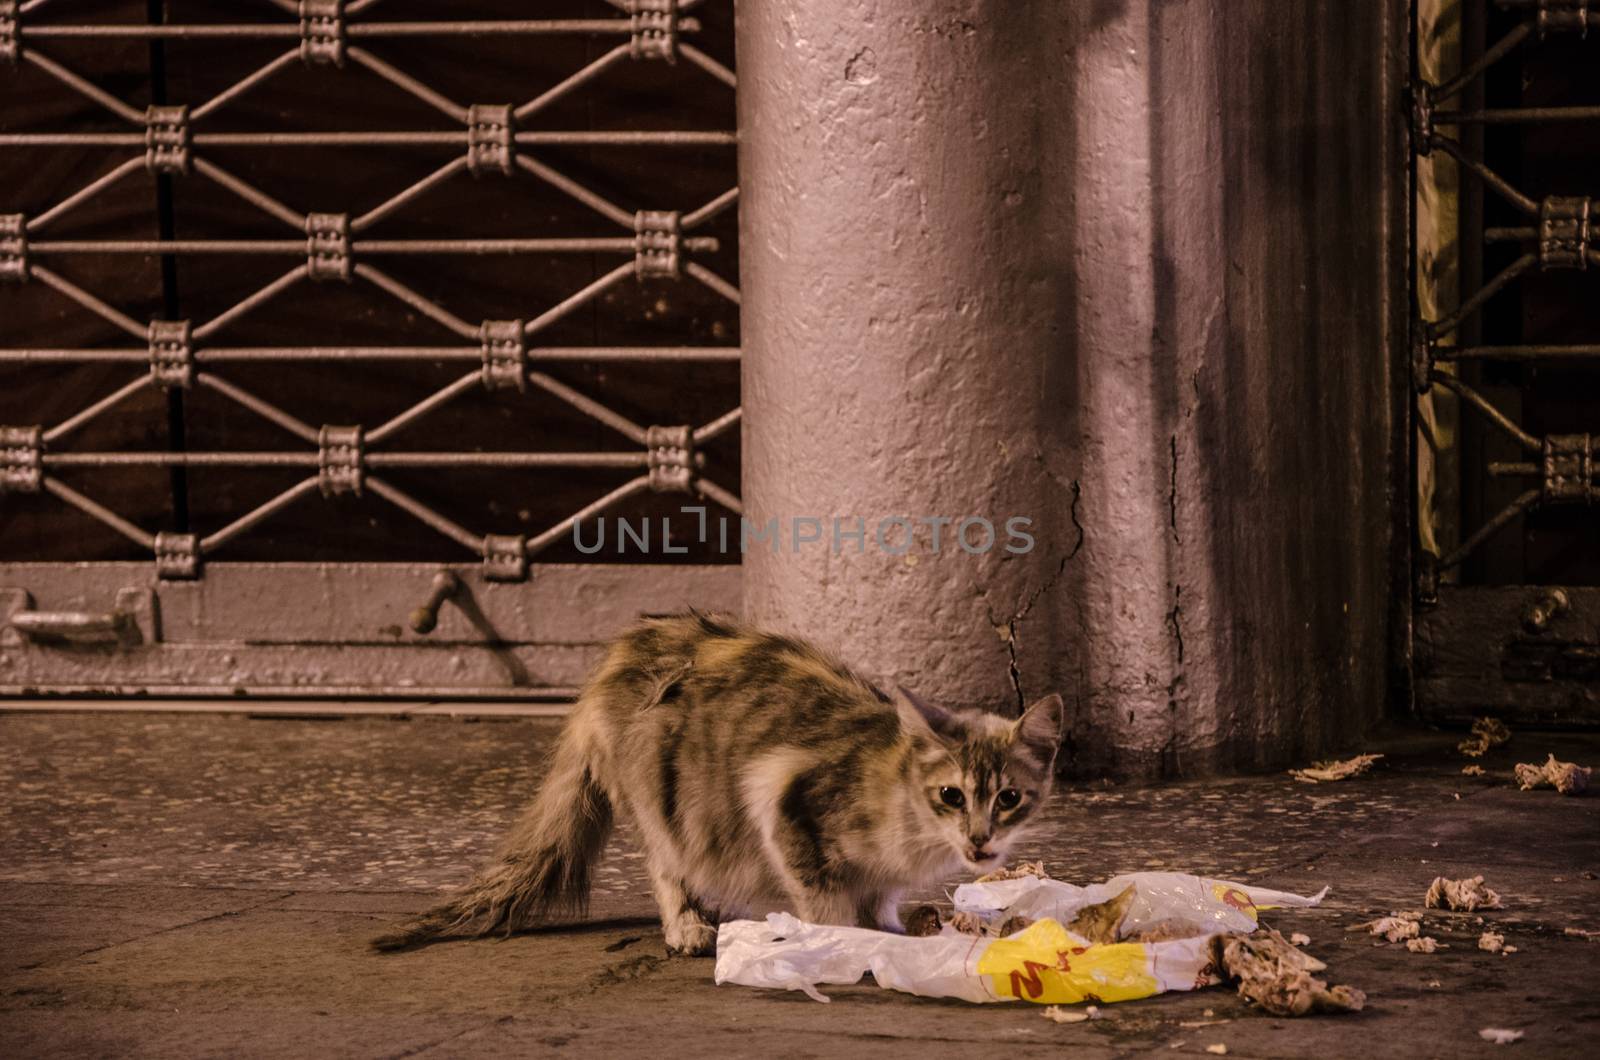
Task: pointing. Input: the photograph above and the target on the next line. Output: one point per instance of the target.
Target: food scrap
(1219, 1049)
(1275, 975)
(1018, 872)
(1330, 771)
(1568, 778)
(1061, 1015)
(922, 922)
(1472, 771)
(1426, 944)
(1499, 1036)
(1397, 927)
(1491, 941)
(1487, 733)
(1300, 938)
(1100, 922)
(1460, 895)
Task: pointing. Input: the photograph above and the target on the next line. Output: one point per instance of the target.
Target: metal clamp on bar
(131, 623)
(340, 457)
(171, 354)
(13, 248)
(1422, 118)
(672, 458)
(505, 355)
(167, 139)
(177, 556)
(505, 557)
(328, 246)
(657, 243)
(1564, 234)
(1421, 358)
(1571, 16)
(322, 32)
(489, 138)
(1569, 468)
(21, 469)
(10, 46)
(655, 29)
(424, 619)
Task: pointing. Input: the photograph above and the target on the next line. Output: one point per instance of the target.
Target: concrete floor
(192, 885)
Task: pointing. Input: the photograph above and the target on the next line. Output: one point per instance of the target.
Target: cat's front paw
(691, 938)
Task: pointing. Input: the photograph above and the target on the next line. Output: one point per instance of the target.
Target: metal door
(1505, 113)
(322, 323)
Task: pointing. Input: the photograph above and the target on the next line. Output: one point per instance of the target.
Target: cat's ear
(916, 712)
(1039, 728)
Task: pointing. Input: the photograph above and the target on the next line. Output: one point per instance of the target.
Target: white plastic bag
(1045, 962)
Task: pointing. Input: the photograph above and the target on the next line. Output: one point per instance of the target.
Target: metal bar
(1501, 49)
(573, 301)
(575, 81)
(99, 511)
(354, 30)
(261, 297)
(1487, 530)
(309, 459)
(254, 196)
(404, 81)
(1515, 115)
(1482, 295)
(593, 200)
(628, 489)
(256, 515)
(470, 381)
(593, 245)
(243, 85)
(721, 425)
(89, 301)
(383, 281)
(1513, 353)
(711, 279)
(84, 88)
(1487, 175)
(695, 218)
(1513, 467)
(273, 354)
(1481, 403)
(589, 407)
(407, 503)
(84, 194)
(706, 488)
(618, 138)
(111, 400)
(393, 203)
(1517, 234)
(708, 64)
(265, 410)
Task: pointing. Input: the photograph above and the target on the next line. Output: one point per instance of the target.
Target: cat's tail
(542, 868)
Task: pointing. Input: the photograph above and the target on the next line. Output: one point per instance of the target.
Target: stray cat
(759, 774)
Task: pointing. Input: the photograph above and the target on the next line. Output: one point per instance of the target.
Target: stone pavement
(204, 885)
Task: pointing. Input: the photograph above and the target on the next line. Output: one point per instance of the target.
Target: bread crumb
(1486, 733)
(1219, 1049)
(1491, 942)
(1426, 944)
(1461, 895)
(1568, 778)
(1499, 1036)
(1330, 771)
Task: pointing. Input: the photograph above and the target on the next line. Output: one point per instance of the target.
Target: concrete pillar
(1088, 264)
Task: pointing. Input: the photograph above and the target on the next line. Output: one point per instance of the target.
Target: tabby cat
(759, 774)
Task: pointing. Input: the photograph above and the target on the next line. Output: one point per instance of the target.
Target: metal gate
(1506, 358)
(322, 324)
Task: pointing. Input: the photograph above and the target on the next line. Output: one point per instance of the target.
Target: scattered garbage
(1568, 778)
(1472, 771)
(1580, 933)
(1460, 895)
(1425, 944)
(1300, 938)
(1499, 1036)
(1491, 941)
(1396, 927)
(1131, 937)
(1021, 870)
(1322, 772)
(1487, 733)
(1061, 1015)
(1275, 975)
(1219, 1049)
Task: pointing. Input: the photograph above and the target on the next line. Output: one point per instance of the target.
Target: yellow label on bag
(1047, 964)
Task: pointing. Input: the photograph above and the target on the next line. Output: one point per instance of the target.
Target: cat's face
(985, 776)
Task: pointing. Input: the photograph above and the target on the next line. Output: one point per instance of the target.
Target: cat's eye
(1008, 798)
(953, 797)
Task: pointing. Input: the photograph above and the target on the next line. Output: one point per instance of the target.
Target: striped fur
(759, 774)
